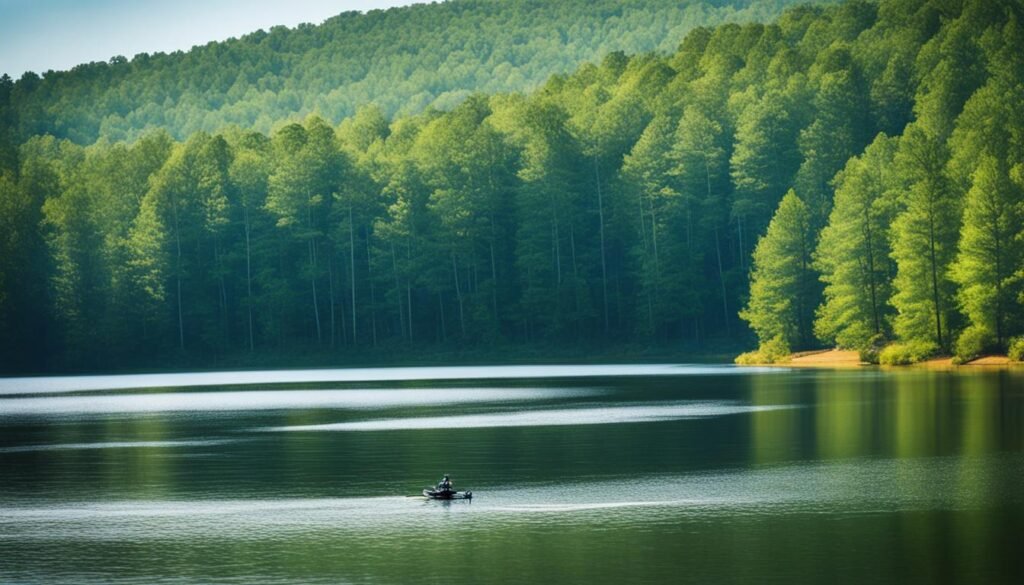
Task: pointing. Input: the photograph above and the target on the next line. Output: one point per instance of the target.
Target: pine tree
(782, 282)
(924, 236)
(853, 251)
(990, 255)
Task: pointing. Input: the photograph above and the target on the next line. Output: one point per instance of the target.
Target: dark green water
(646, 474)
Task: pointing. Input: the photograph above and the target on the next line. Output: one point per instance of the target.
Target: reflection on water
(600, 415)
(862, 487)
(274, 400)
(113, 445)
(787, 477)
(55, 384)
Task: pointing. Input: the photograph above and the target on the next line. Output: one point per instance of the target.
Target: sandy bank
(841, 358)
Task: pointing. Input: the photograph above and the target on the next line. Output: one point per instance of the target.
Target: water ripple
(56, 384)
(539, 418)
(114, 445)
(275, 400)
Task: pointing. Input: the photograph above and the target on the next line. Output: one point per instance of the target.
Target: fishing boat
(447, 494)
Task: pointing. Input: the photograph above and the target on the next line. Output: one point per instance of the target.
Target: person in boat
(445, 485)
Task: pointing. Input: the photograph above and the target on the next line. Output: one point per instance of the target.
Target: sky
(38, 35)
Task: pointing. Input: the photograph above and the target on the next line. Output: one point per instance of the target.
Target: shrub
(773, 351)
(1016, 350)
(749, 358)
(973, 342)
(869, 353)
(911, 352)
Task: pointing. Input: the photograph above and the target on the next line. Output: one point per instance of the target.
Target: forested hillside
(402, 59)
(848, 175)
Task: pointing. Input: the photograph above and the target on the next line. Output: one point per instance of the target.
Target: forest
(444, 52)
(847, 175)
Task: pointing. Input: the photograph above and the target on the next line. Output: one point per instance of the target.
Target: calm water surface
(609, 474)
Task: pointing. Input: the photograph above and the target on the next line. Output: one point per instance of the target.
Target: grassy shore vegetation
(847, 175)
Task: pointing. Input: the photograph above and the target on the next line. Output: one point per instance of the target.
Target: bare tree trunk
(369, 276)
(341, 313)
(494, 277)
(312, 270)
(440, 303)
(248, 277)
(718, 249)
(398, 293)
(225, 322)
(312, 277)
(458, 295)
(743, 250)
(352, 259)
(575, 279)
(177, 243)
(408, 287)
(330, 291)
(604, 269)
(555, 245)
(721, 279)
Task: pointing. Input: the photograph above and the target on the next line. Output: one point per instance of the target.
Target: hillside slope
(402, 59)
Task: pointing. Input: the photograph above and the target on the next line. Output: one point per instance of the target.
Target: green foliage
(853, 251)
(911, 352)
(443, 53)
(924, 237)
(990, 254)
(638, 199)
(870, 352)
(773, 351)
(781, 300)
(972, 344)
(1016, 351)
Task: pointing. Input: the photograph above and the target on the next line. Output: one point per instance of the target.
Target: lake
(590, 474)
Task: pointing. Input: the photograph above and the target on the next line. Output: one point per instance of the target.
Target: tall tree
(924, 236)
(991, 252)
(853, 251)
(782, 282)
(301, 189)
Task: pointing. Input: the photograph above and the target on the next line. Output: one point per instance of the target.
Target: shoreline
(833, 359)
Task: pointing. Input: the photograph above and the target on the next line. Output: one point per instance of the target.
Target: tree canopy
(842, 175)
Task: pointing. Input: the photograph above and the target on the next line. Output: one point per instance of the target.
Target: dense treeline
(859, 165)
(444, 52)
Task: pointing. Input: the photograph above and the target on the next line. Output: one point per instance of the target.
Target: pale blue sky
(37, 35)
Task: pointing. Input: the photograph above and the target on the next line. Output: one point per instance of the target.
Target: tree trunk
(721, 280)
(330, 291)
(222, 293)
(352, 260)
(604, 269)
(494, 277)
(408, 287)
(177, 243)
(369, 277)
(398, 293)
(458, 295)
(312, 270)
(248, 277)
(440, 303)
(312, 277)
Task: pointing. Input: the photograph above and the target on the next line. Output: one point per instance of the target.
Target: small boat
(447, 494)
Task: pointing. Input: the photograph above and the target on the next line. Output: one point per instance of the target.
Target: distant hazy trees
(444, 53)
